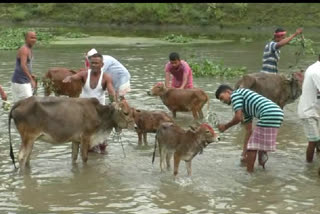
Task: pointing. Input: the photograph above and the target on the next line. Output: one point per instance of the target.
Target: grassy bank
(216, 20)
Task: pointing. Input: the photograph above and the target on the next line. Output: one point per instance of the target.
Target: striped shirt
(271, 56)
(253, 104)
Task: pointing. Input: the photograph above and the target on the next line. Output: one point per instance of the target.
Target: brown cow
(52, 82)
(61, 119)
(184, 145)
(182, 100)
(148, 122)
(276, 87)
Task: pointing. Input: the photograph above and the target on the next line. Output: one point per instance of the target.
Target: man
(119, 74)
(246, 105)
(3, 94)
(309, 106)
(95, 82)
(22, 81)
(271, 54)
(180, 71)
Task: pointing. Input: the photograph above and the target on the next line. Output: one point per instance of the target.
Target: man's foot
(263, 158)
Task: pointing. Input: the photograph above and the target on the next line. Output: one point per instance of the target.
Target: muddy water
(113, 183)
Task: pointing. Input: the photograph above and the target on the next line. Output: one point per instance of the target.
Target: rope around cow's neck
(116, 137)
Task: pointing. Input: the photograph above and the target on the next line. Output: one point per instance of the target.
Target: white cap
(92, 52)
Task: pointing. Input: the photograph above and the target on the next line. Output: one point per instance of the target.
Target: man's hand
(4, 96)
(222, 127)
(299, 31)
(33, 83)
(67, 79)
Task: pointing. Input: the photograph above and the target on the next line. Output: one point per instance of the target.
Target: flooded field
(112, 183)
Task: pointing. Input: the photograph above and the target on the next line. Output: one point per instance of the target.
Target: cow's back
(268, 85)
(62, 118)
(169, 135)
(54, 78)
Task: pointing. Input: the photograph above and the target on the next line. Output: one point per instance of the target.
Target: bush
(305, 44)
(75, 35)
(207, 68)
(177, 38)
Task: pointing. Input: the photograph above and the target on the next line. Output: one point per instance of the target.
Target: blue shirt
(271, 56)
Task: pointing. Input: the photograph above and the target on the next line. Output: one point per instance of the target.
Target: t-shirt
(309, 104)
(119, 74)
(271, 56)
(177, 74)
(253, 104)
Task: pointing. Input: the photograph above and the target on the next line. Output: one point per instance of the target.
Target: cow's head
(206, 134)
(294, 81)
(157, 90)
(122, 115)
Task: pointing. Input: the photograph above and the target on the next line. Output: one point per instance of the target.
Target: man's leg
(310, 151)
(248, 130)
(311, 129)
(251, 158)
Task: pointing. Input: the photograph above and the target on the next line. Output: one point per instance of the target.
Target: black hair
(96, 55)
(221, 89)
(279, 29)
(174, 56)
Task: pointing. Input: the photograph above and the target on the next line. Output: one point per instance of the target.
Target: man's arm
(3, 93)
(78, 76)
(286, 40)
(167, 81)
(23, 54)
(237, 118)
(184, 80)
(109, 86)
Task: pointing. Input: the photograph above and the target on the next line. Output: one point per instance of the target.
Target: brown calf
(148, 122)
(182, 100)
(184, 145)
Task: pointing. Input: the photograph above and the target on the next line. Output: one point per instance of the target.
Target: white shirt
(97, 92)
(309, 105)
(119, 74)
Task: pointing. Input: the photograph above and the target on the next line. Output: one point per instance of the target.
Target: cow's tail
(9, 129)
(155, 148)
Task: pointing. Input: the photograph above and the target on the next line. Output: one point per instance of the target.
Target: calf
(182, 100)
(148, 122)
(184, 145)
(83, 121)
(52, 82)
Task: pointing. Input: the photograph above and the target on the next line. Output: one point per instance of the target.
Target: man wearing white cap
(119, 74)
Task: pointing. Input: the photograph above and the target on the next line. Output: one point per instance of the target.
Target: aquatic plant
(13, 38)
(207, 68)
(177, 38)
(305, 44)
(76, 35)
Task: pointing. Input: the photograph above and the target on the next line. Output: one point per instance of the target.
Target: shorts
(124, 88)
(311, 128)
(263, 139)
(20, 91)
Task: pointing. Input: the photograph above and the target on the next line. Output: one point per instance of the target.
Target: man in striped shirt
(248, 104)
(271, 54)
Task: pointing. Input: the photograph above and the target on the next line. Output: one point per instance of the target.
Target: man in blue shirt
(271, 53)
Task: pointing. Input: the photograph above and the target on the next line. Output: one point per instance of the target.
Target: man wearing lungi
(248, 104)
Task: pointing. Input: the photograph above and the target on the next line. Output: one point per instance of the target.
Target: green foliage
(177, 38)
(206, 68)
(75, 35)
(13, 38)
(305, 44)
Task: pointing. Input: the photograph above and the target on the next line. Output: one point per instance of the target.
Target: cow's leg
(162, 157)
(25, 151)
(85, 142)
(168, 159)
(195, 113)
(145, 138)
(174, 114)
(188, 165)
(29, 156)
(139, 137)
(200, 112)
(176, 163)
(75, 151)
